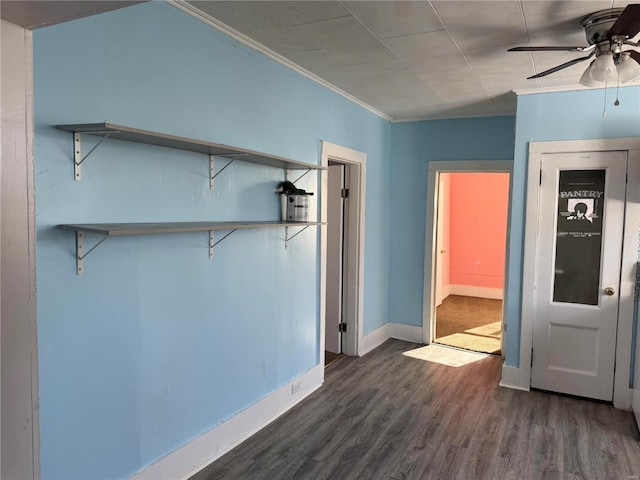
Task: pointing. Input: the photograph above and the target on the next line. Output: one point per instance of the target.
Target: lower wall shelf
(121, 229)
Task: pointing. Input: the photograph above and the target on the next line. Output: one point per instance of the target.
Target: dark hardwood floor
(390, 416)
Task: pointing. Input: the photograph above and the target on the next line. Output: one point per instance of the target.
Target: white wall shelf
(121, 132)
(121, 229)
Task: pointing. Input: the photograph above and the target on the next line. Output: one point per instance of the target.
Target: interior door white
(335, 228)
(582, 201)
(440, 252)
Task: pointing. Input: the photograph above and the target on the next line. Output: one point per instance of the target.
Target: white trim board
(570, 88)
(408, 333)
(511, 378)
(399, 331)
(203, 450)
(471, 291)
(621, 391)
(374, 339)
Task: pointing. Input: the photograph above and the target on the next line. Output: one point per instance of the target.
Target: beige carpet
(470, 323)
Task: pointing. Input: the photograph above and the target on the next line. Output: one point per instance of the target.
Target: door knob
(609, 291)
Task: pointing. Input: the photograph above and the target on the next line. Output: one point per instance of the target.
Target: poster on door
(579, 236)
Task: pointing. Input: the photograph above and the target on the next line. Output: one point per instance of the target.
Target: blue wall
(155, 343)
(547, 117)
(413, 146)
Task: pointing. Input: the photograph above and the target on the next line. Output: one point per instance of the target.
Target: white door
(579, 249)
(440, 240)
(335, 235)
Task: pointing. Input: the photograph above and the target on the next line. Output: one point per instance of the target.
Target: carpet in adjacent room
(471, 323)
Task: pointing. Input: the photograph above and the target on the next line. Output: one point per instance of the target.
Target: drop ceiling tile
(282, 40)
(393, 19)
(483, 24)
(452, 76)
(554, 9)
(561, 30)
(347, 39)
(473, 106)
(455, 86)
(396, 77)
(506, 103)
(328, 68)
(498, 69)
(413, 103)
(420, 96)
(392, 66)
(274, 13)
(201, 4)
(314, 60)
(422, 49)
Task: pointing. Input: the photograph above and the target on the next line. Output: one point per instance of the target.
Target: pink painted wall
(477, 228)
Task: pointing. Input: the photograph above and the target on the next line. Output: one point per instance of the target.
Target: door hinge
(540, 176)
(342, 327)
(344, 193)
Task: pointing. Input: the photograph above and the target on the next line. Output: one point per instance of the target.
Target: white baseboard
(408, 333)
(481, 292)
(511, 378)
(205, 449)
(446, 291)
(374, 339)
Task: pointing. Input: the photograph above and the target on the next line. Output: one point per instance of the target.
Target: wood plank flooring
(390, 416)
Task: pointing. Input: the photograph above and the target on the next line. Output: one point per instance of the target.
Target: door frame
(430, 253)
(621, 389)
(353, 301)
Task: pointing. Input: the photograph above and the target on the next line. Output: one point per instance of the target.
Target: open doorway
(471, 215)
(337, 216)
(342, 251)
(465, 257)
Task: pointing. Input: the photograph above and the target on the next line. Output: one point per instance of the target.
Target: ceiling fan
(607, 32)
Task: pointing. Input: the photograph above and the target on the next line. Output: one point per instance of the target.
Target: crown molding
(569, 88)
(227, 30)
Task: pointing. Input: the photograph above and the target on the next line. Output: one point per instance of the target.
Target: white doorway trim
(522, 378)
(20, 440)
(435, 168)
(354, 226)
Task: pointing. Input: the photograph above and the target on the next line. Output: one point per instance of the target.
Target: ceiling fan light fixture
(586, 79)
(602, 68)
(628, 69)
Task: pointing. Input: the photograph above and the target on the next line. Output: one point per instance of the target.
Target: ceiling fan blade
(635, 55)
(628, 23)
(547, 49)
(560, 67)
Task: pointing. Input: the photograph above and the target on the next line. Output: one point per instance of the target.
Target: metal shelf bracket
(287, 237)
(80, 253)
(77, 149)
(211, 244)
(301, 176)
(212, 174)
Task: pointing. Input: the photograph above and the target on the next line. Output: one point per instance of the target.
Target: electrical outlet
(295, 387)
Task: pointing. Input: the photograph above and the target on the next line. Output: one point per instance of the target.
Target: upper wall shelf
(121, 132)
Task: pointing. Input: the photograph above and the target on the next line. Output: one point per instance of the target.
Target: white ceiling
(34, 14)
(419, 59)
(406, 60)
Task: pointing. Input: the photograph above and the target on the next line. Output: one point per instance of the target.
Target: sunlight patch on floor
(445, 356)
